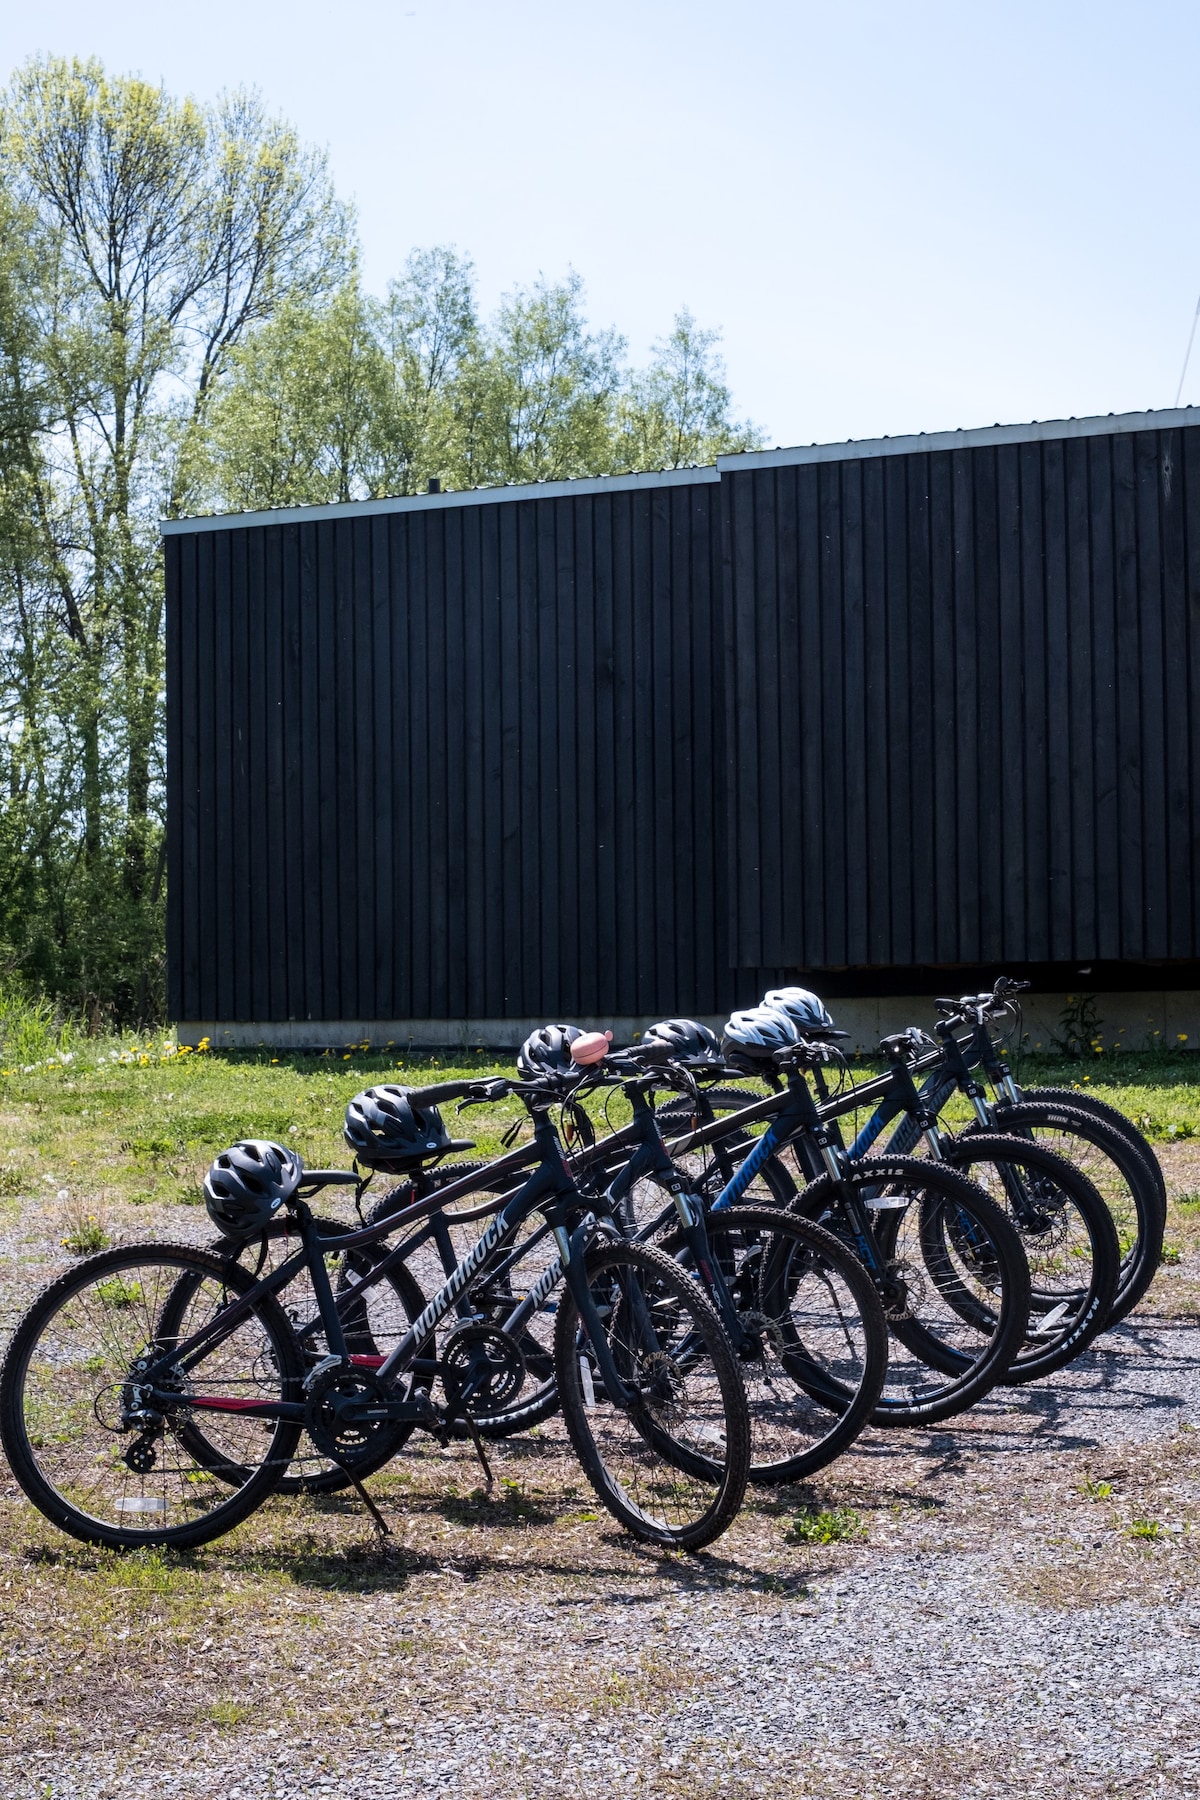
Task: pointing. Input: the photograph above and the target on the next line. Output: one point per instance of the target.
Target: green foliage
(182, 328)
(834, 1525)
(143, 238)
(358, 398)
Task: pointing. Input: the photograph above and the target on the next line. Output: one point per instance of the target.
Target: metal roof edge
(1037, 431)
(369, 509)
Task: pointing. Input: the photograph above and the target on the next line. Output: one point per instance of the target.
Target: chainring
(490, 1360)
(328, 1394)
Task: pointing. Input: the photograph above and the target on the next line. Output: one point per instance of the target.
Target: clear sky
(903, 216)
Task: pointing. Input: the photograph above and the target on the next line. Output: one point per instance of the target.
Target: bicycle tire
(1066, 1201)
(965, 1359)
(1114, 1167)
(1111, 1115)
(673, 1475)
(786, 1280)
(261, 1354)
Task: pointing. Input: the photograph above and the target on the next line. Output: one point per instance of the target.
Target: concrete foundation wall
(1133, 1020)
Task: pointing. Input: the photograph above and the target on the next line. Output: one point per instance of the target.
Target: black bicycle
(156, 1394)
(945, 1261)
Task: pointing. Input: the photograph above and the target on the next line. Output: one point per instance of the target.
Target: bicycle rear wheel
(954, 1285)
(115, 1467)
(672, 1467)
(1068, 1237)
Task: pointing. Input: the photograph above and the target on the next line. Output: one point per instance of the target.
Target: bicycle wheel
(673, 1467)
(1069, 1239)
(954, 1284)
(1080, 1100)
(1116, 1170)
(67, 1393)
(817, 1355)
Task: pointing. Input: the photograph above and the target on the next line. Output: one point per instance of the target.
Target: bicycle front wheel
(1117, 1170)
(671, 1464)
(813, 1339)
(115, 1464)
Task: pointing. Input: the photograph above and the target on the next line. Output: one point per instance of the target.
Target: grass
(833, 1525)
(143, 1123)
(141, 1119)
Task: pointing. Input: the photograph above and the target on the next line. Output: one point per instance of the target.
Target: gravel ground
(1018, 1615)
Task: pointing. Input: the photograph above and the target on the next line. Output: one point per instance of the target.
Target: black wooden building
(887, 715)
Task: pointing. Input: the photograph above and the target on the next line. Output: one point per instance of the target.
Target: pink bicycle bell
(591, 1048)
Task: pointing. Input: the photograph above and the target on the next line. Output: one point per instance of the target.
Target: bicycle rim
(673, 1468)
(65, 1396)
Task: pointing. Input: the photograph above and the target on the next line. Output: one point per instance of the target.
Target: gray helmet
(687, 1040)
(755, 1035)
(547, 1051)
(806, 1010)
(385, 1130)
(247, 1185)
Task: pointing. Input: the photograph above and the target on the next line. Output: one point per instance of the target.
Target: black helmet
(756, 1034)
(547, 1051)
(806, 1010)
(248, 1184)
(387, 1131)
(687, 1040)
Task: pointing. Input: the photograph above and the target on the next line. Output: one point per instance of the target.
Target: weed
(229, 1713)
(14, 1181)
(116, 1292)
(84, 1231)
(1189, 1199)
(833, 1525)
(1079, 1026)
(1095, 1490)
(1172, 1255)
(1145, 1528)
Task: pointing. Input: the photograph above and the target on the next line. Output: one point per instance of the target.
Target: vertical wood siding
(961, 712)
(463, 762)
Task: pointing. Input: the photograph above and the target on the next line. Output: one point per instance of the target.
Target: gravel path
(1018, 1616)
(998, 1632)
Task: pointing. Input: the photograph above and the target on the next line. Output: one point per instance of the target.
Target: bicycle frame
(550, 1189)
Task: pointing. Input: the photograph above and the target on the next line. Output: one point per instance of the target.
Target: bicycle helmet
(547, 1051)
(385, 1130)
(247, 1185)
(686, 1040)
(755, 1035)
(806, 1010)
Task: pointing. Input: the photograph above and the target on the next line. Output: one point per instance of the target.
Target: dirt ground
(1008, 1605)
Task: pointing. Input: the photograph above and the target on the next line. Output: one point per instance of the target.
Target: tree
(297, 420)
(160, 233)
(538, 400)
(676, 413)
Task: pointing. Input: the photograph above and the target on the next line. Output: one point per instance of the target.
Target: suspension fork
(801, 1122)
(650, 1158)
(572, 1252)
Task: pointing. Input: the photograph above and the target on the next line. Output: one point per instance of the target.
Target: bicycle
(956, 1330)
(106, 1419)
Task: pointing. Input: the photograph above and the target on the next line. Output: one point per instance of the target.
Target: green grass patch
(831, 1525)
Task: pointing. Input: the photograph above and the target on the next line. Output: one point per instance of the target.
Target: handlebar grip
(441, 1090)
